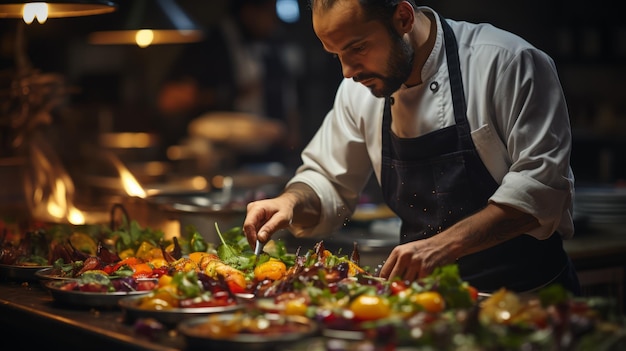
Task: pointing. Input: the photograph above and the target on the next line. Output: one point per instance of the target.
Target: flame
(131, 186)
(50, 186)
(129, 182)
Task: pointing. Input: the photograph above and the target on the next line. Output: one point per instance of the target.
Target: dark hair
(381, 10)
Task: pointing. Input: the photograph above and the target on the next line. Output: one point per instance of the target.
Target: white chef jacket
(516, 110)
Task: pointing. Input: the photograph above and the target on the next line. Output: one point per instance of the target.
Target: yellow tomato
(295, 307)
(273, 269)
(84, 243)
(370, 307)
(145, 251)
(127, 253)
(155, 304)
(167, 293)
(431, 301)
(158, 262)
(165, 280)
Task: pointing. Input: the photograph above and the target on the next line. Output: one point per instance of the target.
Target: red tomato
(397, 286)
(473, 293)
(93, 287)
(109, 269)
(146, 285)
(235, 288)
(157, 272)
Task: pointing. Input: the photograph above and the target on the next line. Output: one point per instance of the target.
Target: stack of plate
(602, 208)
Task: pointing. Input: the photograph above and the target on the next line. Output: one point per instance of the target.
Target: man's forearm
(491, 226)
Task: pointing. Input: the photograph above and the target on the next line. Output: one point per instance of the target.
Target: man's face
(368, 51)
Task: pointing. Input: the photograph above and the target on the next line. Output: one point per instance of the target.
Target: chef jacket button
(434, 87)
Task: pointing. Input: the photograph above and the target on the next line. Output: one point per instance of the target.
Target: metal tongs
(258, 248)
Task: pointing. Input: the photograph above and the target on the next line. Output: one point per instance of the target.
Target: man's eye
(359, 48)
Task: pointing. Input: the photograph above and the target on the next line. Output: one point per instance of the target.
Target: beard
(399, 67)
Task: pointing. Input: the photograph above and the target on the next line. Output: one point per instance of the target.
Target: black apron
(435, 180)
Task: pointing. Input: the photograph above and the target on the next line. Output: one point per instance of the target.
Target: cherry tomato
(397, 286)
(108, 269)
(234, 287)
(473, 293)
(93, 287)
(295, 307)
(156, 304)
(159, 272)
(431, 301)
(370, 307)
(236, 282)
(146, 285)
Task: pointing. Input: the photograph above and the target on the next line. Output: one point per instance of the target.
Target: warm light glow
(144, 38)
(126, 140)
(199, 183)
(75, 217)
(35, 9)
(159, 36)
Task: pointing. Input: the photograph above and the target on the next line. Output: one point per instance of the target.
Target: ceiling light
(42, 10)
(147, 25)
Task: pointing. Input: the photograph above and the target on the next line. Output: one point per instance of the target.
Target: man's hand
(492, 225)
(297, 207)
(264, 217)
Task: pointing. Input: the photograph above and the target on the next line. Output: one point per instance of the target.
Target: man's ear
(403, 17)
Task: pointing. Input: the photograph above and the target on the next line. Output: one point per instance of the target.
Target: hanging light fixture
(165, 23)
(42, 10)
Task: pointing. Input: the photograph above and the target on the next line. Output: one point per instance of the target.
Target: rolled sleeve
(543, 202)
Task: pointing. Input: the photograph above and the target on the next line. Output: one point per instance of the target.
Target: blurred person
(466, 129)
(240, 66)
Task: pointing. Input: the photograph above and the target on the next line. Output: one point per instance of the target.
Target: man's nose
(348, 69)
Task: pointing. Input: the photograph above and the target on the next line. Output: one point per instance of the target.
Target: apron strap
(456, 85)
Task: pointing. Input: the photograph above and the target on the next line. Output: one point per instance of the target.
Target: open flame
(129, 182)
(49, 188)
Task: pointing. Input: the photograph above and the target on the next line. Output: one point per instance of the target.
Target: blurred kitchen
(82, 125)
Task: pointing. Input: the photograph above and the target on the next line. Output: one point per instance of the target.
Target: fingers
(261, 222)
(404, 262)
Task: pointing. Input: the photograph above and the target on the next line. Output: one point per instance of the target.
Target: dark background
(116, 84)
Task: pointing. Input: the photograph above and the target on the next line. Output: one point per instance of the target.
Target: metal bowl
(20, 273)
(282, 330)
(83, 299)
(50, 273)
(132, 311)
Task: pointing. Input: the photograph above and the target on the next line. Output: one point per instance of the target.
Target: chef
(466, 129)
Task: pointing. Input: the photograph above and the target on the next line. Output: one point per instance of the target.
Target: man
(466, 129)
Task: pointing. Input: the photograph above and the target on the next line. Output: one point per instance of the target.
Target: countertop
(28, 312)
